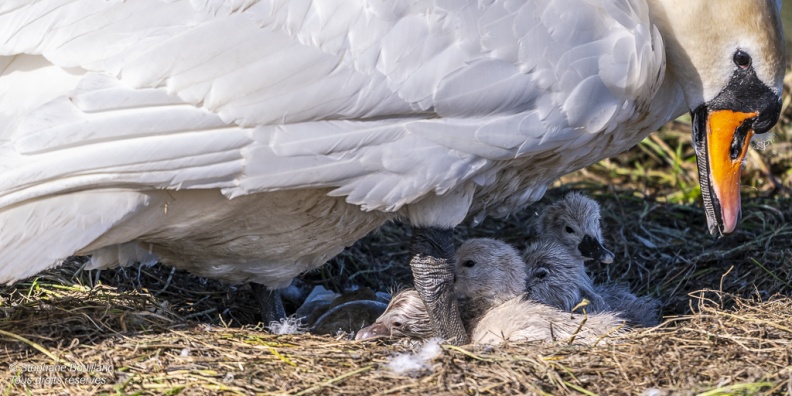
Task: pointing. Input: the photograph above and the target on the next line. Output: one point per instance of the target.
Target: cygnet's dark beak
(591, 248)
(374, 331)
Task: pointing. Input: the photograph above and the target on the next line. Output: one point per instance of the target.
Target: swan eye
(570, 230)
(541, 273)
(468, 263)
(397, 324)
(742, 59)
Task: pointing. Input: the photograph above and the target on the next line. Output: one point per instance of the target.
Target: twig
(583, 304)
(167, 282)
(192, 315)
(771, 324)
(770, 272)
(736, 388)
(468, 353)
(615, 329)
(281, 357)
(35, 346)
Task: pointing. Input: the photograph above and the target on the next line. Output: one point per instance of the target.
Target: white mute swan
(251, 140)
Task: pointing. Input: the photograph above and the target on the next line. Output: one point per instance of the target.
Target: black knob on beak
(591, 248)
(767, 117)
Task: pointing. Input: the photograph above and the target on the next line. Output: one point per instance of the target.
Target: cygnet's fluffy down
(556, 278)
(570, 234)
(488, 272)
(405, 316)
(641, 311)
(518, 319)
(574, 222)
(522, 319)
(489, 282)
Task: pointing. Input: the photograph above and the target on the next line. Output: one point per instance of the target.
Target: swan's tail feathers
(39, 234)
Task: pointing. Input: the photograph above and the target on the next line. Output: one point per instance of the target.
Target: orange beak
(722, 130)
(727, 139)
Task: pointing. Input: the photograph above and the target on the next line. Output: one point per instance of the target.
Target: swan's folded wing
(383, 102)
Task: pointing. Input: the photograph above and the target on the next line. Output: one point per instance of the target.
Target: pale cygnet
(502, 304)
(574, 222)
(522, 319)
(488, 269)
(405, 316)
(488, 272)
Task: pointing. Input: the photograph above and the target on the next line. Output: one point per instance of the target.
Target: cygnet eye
(468, 263)
(397, 324)
(570, 230)
(541, 273)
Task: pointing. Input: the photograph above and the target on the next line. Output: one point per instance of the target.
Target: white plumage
(136, 121)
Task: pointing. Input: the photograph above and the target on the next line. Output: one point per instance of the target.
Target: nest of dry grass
(118, 345)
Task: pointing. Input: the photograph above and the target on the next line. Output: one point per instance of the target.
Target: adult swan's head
(733, 71)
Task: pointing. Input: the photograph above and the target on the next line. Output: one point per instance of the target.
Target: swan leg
(432, 263)
(270, 303)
